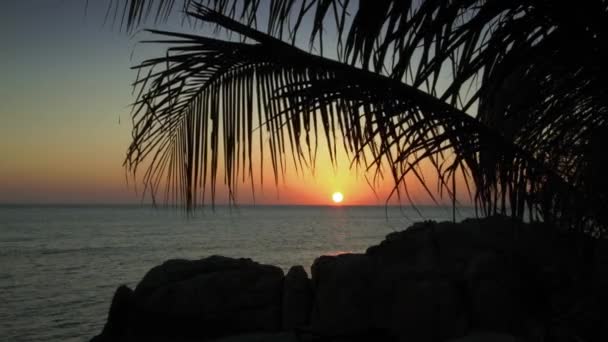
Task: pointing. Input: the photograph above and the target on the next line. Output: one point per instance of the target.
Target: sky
(65, 92)
(64, 87)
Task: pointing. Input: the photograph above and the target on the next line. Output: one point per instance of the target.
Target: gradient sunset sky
(64, 107)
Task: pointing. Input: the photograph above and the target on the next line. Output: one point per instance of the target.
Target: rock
(343, 300)
(297, 298)
(496, 291)
(431, 282)
(175, 270)
(600, 272)
(409, 307)
(118, 316)
(357, 294)
(482, 336)
(211, 297)
(261, 337)
(498, 233)
(415, 246)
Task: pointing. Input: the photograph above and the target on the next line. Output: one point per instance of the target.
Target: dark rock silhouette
(118, 317)
(418, 309)
(432, 282)
(211, 297)
(297, 298)
(495, 287)
(343, 300)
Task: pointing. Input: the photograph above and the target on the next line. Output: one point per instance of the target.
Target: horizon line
(209, 206)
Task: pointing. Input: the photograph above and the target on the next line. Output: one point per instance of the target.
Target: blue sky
(65, 85)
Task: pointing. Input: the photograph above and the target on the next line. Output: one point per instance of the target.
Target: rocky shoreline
(491, 279)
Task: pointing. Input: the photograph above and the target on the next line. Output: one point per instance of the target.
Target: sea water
(60, 265)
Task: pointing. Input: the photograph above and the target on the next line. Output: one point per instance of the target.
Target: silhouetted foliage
(509, 94)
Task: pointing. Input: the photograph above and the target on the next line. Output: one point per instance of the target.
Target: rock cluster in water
(492, 279)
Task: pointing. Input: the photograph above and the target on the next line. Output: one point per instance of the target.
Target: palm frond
(464, 84)
(208, 81)
(200, 110)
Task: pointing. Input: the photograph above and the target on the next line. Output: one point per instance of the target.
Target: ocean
(60, 265)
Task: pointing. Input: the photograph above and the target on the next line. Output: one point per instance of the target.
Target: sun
(337, 197)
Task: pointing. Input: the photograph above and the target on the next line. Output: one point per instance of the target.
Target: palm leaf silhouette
(509, 94)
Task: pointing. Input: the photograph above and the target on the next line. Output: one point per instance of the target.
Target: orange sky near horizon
(39, 172)
(65, 125)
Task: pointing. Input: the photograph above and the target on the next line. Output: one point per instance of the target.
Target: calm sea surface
(60, 265)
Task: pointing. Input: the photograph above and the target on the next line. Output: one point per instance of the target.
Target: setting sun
(337, 197)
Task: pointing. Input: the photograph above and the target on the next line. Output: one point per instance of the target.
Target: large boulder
(498, 233)
(343, 300)
(433, 281)
(297, 298)
(415, 246)
(485, 336)
(600, 267)
(211, 297)
(496, 290)
(176, 270)
(363, 294)
(260, 337)
(413, 306)
(118, 316)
